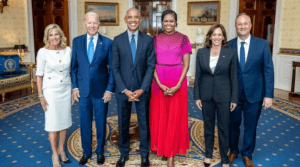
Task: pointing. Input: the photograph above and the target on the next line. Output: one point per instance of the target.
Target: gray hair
(242, 14)
(91, 12)
(133, 8)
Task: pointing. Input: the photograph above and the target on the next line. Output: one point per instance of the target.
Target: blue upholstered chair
(14, 76)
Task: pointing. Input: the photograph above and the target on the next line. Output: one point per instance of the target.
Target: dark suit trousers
(124, 113)
(223, 118)
(251, 113)
(86, 106)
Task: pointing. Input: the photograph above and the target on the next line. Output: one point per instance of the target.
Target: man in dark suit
(256, 87)
(93, 82)
(133, 63)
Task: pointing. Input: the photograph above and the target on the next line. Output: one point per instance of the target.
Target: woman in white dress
(54, 89)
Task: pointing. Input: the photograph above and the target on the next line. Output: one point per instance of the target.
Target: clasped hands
(169, 91)
(134, 96)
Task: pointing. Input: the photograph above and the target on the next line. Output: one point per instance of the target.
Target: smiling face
(217, 37)
(243, 26)
(133, 20)
(54, 37)
(169, 24)
(91, 24)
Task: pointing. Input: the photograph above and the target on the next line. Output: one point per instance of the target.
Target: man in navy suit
(133, 63)
(93, 82)
(256, 87)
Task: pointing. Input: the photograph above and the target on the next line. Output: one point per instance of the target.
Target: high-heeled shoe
(206, 164)
(62, 156)
(55, 162)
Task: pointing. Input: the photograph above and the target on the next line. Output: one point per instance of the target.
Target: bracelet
(40, 96)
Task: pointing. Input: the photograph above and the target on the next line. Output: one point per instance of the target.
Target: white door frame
(30, 33)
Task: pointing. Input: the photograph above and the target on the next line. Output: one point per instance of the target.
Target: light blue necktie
(242, 56)
(91, 49)
(133, 48)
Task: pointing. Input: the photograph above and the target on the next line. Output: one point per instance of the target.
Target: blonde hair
(63, 39)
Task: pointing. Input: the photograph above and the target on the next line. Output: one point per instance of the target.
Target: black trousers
(209, 109)
(124, 113)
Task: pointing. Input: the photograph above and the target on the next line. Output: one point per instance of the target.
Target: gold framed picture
(203, 13)
(108, 12)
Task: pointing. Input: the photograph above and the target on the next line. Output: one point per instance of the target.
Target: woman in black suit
(216, 89)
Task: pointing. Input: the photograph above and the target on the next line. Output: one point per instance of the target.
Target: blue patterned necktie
(242, 56)
(91, 49)
(133, 48)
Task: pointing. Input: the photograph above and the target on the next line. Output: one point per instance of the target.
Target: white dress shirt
(94, 41)
(246, 46)
(136, 34)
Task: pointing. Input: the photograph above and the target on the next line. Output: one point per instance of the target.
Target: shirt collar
(247, 41)
(95, 37)
(136, 33)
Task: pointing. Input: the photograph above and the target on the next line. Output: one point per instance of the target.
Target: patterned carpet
(23, 141)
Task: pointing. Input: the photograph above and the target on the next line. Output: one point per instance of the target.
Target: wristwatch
(40, 96)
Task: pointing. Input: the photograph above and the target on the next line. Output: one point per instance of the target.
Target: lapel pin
(100, 43)
(223, 56)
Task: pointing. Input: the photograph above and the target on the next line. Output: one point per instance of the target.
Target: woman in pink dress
(169, 96)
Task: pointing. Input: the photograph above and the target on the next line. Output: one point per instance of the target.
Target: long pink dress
(169, 114)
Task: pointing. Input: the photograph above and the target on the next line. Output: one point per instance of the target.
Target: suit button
(60, 71)
(90, 67)
(60, 61)
(49, 78)
(60, 80)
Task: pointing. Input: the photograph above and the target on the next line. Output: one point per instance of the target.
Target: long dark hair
(211, 30)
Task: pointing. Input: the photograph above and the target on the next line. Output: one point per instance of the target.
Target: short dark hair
(169, 12)
(211, 30)
(243, 14)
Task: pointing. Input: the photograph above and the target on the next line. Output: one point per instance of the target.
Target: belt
(169, 64)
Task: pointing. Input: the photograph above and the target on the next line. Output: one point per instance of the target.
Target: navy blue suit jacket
(96, 77)
(129, 75)
(257, 79)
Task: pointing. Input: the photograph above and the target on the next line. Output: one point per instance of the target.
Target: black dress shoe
(145, 162)
(100, 159)
(122, 160)
(84, 159)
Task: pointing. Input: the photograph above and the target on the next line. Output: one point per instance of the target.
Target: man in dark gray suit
(133, 63)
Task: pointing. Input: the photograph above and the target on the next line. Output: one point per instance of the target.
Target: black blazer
(222, 86)
(129, 75)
